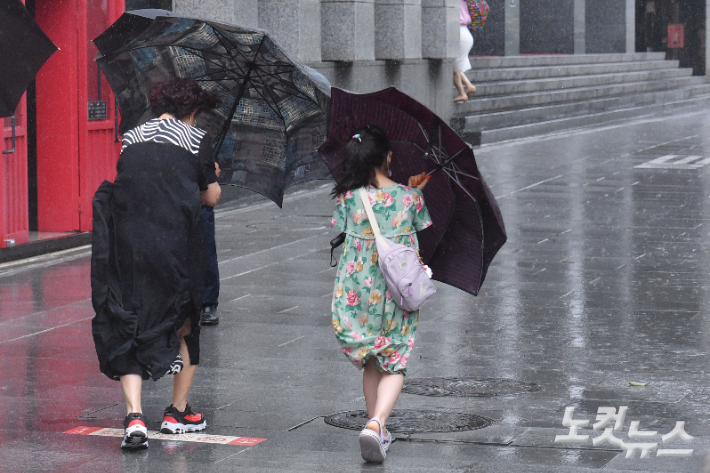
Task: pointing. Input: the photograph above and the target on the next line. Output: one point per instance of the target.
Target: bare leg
(462, 97)
(183, 380)
(388, 390)
(132, 385)
(470, 88)
(370, 380)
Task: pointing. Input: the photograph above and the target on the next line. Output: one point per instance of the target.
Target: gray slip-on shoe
(371, 447)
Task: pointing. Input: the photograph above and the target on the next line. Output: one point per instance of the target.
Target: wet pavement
(603, 282)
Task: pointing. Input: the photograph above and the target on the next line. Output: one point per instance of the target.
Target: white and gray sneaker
(372, 447)
(387, 441)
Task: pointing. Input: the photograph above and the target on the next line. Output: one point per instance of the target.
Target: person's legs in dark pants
(209, 316)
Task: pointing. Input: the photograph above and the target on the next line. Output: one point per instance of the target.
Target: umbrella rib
(297, 95)
(238, 98)
(283, 81)
(231, 46)
(275, 110)
(206, 59)
(456, 180)
(426, 136)
(462, 173)
(457, 169)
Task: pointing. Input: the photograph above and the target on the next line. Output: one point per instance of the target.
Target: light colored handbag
(406, 278)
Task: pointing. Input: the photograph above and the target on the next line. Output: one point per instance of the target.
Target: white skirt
(462, 64)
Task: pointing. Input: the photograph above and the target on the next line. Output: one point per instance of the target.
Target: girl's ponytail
(365, 151)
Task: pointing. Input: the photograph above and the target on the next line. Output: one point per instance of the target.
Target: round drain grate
(408, 421)
(459, 387)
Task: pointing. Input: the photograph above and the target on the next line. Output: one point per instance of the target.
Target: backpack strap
(371, 217)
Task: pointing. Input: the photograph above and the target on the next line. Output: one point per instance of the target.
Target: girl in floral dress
(375, 334)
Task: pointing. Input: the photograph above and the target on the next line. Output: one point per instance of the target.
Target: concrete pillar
(240, 12)
(295, 25)
(440, 29)
(579, 26)
(398, 29)
(631, 26)
(512, 28)
(348, 30)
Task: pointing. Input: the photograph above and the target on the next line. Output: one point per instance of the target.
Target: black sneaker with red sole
(176, 422)
(136, 434)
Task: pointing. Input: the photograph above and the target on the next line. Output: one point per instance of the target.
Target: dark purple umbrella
(468, 227)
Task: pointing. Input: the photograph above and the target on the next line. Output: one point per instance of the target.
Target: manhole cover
(407, 421)
(467, 387)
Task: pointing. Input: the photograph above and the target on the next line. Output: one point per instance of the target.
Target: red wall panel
(57, 124)
(74, 154)
(14, 220)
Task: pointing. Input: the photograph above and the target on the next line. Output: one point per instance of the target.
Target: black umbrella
(468, 228)
(24, 48)
(272, 116)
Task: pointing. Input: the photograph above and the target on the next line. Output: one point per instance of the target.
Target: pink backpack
(407, 281)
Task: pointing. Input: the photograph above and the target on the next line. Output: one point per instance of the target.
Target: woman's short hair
(180, 97)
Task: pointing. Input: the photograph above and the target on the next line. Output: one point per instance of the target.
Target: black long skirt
(147, 261)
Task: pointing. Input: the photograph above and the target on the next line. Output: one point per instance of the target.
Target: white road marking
(270, 249)
(529, 187)
(286, 310)
(291, 341)
(674, 161)
(270, 264)
(155, 435)
(46, 330)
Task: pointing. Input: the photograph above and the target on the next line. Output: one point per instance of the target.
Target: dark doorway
(142, 4)
(652, 20)
(32, 143)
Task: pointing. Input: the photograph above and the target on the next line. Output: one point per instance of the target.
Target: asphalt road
(603, 282)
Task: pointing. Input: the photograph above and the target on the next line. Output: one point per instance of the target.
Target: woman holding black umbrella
(147, 262)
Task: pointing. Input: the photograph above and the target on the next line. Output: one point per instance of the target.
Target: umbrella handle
(116, 137)
(334, 243)
(10, 151)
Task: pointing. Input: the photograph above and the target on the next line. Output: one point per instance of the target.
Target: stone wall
(547, 26)
(360, 45)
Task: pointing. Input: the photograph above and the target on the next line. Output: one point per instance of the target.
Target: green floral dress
(365, 319)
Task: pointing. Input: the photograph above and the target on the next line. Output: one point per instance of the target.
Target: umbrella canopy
(272, 115)
(468, 227)
(127, 28)
(24, 49)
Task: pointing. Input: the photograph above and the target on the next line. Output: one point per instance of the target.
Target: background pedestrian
(374, 333)
(210, 300)
(462, 62)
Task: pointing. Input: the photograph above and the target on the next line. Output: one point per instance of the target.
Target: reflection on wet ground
(602, 283)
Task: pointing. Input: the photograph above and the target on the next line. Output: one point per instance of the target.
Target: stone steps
(540, 72)
(515, 87)
(524, 96)
(560, 60)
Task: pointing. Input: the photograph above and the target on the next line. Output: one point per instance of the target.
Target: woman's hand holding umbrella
(419, 180)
